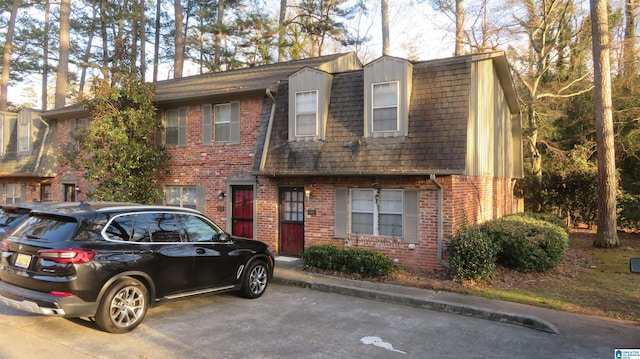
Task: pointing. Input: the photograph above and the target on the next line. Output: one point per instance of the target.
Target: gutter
(267, 139)
(440, 221)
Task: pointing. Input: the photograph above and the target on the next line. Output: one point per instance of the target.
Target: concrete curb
(427, 302)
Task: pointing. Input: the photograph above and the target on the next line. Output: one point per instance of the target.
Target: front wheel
(255, 280)
(123, 307)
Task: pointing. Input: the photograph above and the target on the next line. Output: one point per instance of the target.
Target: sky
(416, 31)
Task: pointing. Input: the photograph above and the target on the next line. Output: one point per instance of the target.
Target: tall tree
(45, 57)
(63, 51)
(384, 7)
(6, 56)
(607, 235)
(178, 63)
(282, 30)
(459, 28)
(629, 67)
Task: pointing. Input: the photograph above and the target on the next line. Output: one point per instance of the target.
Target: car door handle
(201, 251)
(146, 251)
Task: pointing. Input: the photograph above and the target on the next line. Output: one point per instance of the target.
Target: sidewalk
(616, 333)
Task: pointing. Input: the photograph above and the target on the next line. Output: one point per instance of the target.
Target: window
(182, 197)
(222, 122)
(45, 192)
(176, 127)
(306, 113)
(199, 230)
(385, 107)
(78, 129)
(383, 218)
(15, 193)
(24, 131)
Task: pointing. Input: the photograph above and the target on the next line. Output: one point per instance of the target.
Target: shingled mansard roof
(39, 161)
(191, 89)
(436, 141)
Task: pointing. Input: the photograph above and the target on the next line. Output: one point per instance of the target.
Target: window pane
(120, 228)
(385, 95)
(362, 200)
(390, 225)
(172, 127)
(141, 228)
(222, 132)
(385, 119)
(362, 223)
(164, 227)
(391, 201)
(173, 196)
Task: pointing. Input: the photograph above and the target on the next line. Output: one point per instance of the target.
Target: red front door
(292, 221)
(242, 211)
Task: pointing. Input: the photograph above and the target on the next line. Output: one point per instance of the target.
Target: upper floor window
(24, 131)
(222, 122)
(385, 106)
(176, 127)
(226, 123)
(306, 113)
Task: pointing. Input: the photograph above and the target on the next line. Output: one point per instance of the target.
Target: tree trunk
(607, 236)
(629, 50)
(179, 46)
(218, 40)
(143, 41)
(63, 61)
(459, 28)
(6, 58)
(282, 30)
(384, 6)
(45, 57)
(156, 42)
(87, 53)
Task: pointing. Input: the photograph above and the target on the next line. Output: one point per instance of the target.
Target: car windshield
(48, 228)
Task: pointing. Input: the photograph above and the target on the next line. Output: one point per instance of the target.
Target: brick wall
(478, 199)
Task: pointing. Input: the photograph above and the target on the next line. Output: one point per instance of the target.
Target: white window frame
(374, 197)
(299, 112)
(222, 120)
(179, 196)
(375, 106)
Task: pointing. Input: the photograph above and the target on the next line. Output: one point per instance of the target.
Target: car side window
(120, 228)
(140, 228)
(164, 227)
(199, 230)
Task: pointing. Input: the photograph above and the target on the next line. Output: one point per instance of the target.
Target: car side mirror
(634, 265)
(224, 237)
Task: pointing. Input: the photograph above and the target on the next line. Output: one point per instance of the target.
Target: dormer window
(24, 131)
(387, 92)
(385, 106)
(306, 113)
(309, 93)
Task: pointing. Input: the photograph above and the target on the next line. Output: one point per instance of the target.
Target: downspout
(440, 221)
(43, 145)
(267, 138)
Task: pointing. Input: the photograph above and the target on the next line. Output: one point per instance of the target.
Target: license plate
(23, 260)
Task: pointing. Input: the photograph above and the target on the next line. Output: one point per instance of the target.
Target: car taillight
(4, 246)
(71, 256)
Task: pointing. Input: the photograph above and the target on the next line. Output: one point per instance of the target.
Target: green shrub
(526, 243)
(366, 262)
(472, 254)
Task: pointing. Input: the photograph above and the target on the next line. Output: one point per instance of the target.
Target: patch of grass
(589, 280)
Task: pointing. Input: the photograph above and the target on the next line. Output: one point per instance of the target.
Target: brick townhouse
(392, 155)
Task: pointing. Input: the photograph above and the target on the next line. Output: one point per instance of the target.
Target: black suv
(111, 262)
